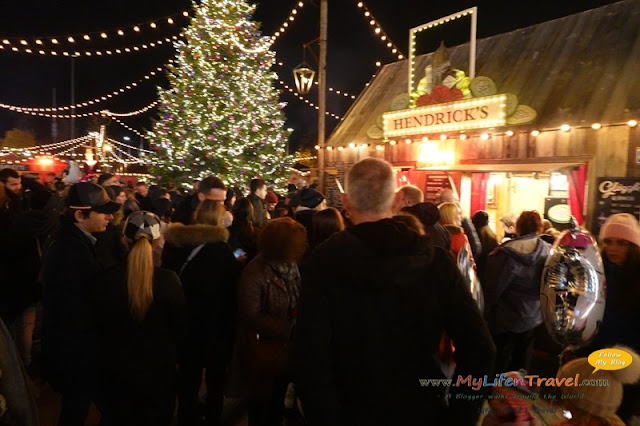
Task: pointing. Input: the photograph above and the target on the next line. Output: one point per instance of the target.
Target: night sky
(28, 80)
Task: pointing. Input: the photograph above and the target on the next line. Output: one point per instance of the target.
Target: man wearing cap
(70, 268)
(258, 189)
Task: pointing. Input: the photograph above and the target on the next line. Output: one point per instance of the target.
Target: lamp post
(304, 75)
(322, 90)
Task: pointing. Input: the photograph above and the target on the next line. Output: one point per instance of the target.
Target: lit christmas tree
(221, 116)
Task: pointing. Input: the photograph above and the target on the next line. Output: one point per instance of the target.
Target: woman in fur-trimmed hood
(199, 253)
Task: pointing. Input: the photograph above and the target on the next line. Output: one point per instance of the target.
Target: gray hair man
(369, 331)
(407, 196)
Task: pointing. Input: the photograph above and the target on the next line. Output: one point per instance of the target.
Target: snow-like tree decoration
(222, 115)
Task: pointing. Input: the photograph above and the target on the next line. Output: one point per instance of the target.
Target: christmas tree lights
(222, 116)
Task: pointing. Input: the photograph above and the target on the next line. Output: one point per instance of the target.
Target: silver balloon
(470, 277)
(572, 291)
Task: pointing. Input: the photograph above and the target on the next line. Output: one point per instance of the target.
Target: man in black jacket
(258, 192)
(70, 268)
(370, 331)
(27, 219)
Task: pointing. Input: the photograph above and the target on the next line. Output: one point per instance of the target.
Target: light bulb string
(40, 148)
(384, 37)
(89, 35)
(131, 146)
(115, 146)
(94, 101)
(76, 53)
(285, 25)
(306, 101)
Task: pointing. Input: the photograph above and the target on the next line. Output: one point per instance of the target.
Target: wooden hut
(581, 71)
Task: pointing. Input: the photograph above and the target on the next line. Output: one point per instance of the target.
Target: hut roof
(578, 69)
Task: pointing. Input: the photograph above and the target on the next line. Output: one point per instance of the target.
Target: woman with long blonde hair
(140, 313)
(451, 219)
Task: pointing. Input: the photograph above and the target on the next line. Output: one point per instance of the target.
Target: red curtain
(478, 192)
(577, 179)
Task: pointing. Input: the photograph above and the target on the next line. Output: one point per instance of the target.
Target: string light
(51, 146)
(416, 30)
(486, 136)
(87, 114)
(107, 52)
(42, 114)
(71, 38)
(131, 114)
(283, 27)
(97, 100)
(131, 130)
(133, 161)
(307, 101)
(379, 32)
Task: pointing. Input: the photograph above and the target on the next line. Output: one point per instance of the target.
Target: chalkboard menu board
(435, 183)
(615, 195)
(332, 190)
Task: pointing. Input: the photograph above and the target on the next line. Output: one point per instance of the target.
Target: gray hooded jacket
(512, 285)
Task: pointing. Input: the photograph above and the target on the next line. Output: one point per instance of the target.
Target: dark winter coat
(70, 270)
(472, 236)
(20, 406)
(619, 325)
(376, 299)
(259, 210)
(489, 243)
(244, 238)
(429, 215)
(305, 218)
(439, 236)
(263, 308)
(146, 203)
(512, 284)
(185, 210)
(109, 247)
(209, 281)
(138, 358)
(23, 233)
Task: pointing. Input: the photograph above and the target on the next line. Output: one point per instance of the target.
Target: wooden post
(322, 91)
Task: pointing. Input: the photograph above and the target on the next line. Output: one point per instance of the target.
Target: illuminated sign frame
(484, 112)
(473, 11)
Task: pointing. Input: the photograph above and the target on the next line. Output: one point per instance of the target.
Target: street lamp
(303, 76)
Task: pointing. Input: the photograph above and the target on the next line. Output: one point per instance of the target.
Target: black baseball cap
(89, 196)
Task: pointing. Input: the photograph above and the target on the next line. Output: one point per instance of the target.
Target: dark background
(28, 80)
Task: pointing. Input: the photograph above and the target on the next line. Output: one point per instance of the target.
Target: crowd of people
(333, 315)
